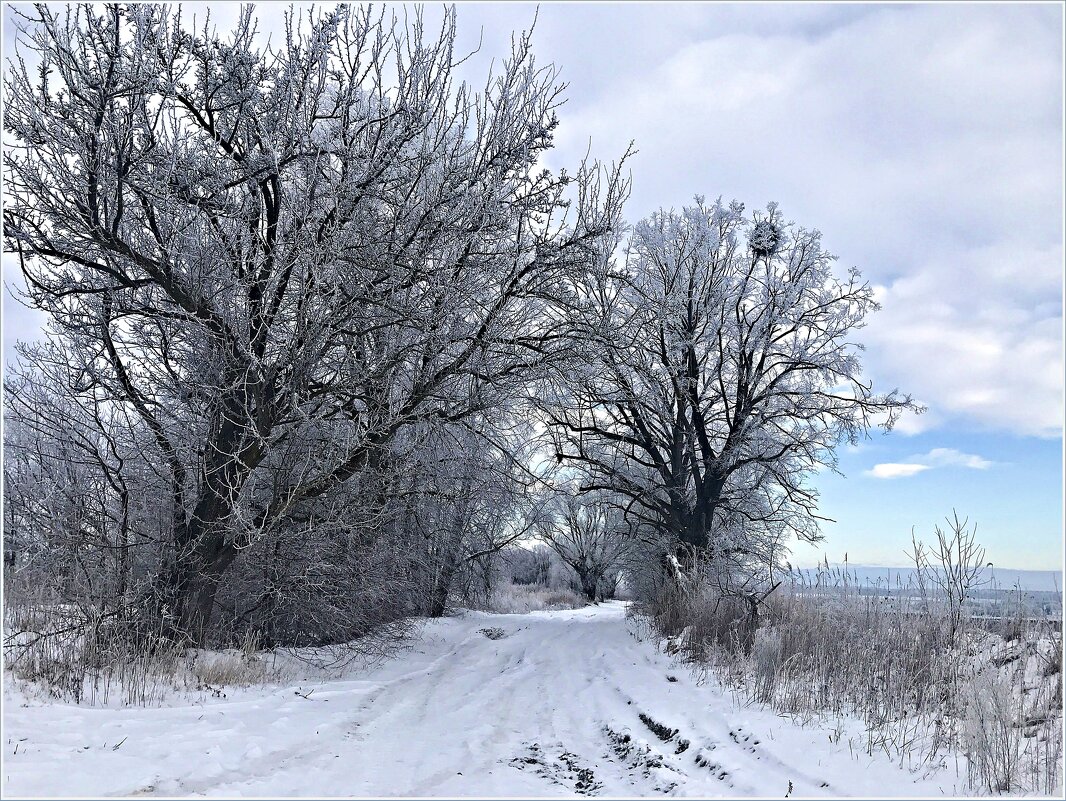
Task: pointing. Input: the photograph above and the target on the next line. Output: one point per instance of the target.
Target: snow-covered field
(562, 703)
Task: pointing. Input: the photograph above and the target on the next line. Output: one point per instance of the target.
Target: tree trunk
(438, 602)
(588, 584)
(185, 589)
(197, 608)
(747, 625)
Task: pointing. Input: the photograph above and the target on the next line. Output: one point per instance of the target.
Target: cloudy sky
(926, 143)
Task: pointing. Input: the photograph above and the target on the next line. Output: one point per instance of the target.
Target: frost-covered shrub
(75, 654)
(766, 657)
(991, 731)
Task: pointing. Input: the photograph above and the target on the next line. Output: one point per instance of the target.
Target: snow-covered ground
(553, 707)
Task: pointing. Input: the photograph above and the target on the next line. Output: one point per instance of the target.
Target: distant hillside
(1005, 579)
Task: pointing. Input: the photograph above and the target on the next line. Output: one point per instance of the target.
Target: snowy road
(553, 707)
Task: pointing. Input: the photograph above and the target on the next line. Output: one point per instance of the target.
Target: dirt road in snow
(561, 703)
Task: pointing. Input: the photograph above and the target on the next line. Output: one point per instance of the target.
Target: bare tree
(589, 534)
(75, 489)
(528, 565)
(953, 566)
(719, 373)
(263, 263)
(472, 495)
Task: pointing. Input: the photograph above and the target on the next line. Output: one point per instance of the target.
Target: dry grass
(515, 599)
(77, 655)
(235, 667)
(929, 684)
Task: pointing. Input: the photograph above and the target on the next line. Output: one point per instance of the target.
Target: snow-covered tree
(590, 535)
(262, 264)
(719, 372)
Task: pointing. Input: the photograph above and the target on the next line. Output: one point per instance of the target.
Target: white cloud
(895, 470)
(924, 141)
(911, 424)
(949, 457)
(981, 346)
(937, 457)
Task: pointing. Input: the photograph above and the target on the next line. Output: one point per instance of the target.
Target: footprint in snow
(745, 740)
(704, 759)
